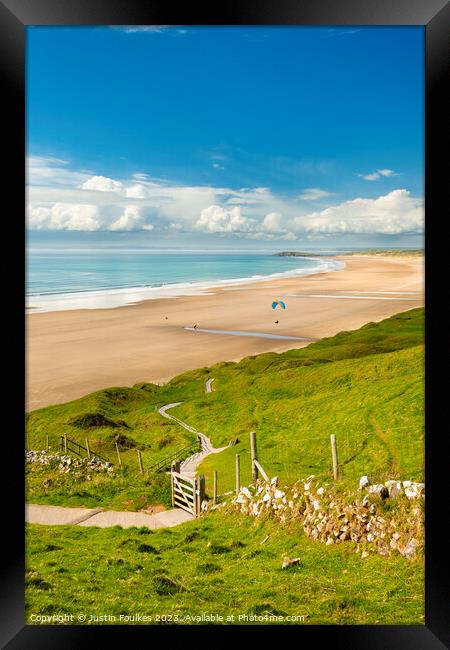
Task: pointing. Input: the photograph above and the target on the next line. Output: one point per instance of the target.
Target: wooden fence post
(215, 488)
(263, 474)
(65, 443)
(175, 466)
(200, 493)
(118, 455)
(46, 442)
(254, 454)
(238, 473)
(141, 467)
(335, 457)
(88, 449)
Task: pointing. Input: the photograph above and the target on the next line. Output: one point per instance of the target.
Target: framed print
(228, 413)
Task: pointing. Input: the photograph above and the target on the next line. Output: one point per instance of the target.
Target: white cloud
(139, 176)
(131, 219)
(393, 213)
(48, 170)
(136, 192)
(273, 222)
(312, 194)
(150, 29)
(218, 219)
(67, 199)
(64, 216)
(374, 176)
(102, 184)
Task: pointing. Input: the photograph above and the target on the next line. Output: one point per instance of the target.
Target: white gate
(187, 493)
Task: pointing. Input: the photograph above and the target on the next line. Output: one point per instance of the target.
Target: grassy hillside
(365, 386)
(215, 565)
(124, 415)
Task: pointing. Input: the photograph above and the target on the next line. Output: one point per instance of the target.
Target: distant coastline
(388, 252)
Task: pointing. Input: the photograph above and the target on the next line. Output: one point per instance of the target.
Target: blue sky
(246, 136)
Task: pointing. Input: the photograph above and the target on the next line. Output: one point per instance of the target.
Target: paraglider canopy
(278, 302)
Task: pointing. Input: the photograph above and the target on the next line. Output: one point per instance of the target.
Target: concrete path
(189, 465)
(208, 387)
(57, 515)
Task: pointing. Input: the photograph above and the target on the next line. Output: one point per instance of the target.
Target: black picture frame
(15, 16)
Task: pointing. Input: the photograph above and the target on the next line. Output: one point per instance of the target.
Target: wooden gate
(187, 493)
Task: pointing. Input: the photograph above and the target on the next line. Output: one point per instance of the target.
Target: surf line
(261, 335)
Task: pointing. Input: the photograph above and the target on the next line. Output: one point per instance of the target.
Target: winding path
(189, 465)
(208, 387)
(56, 515)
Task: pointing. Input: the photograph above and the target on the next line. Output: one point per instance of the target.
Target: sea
(101, 278)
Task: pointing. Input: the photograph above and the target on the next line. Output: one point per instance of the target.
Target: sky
(226, 137)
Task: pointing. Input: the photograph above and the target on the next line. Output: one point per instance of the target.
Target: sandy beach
(72, 353)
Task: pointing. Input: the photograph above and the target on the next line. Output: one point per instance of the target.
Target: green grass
(365, 386)
(215, 565)
(123, 490)
(126, 415)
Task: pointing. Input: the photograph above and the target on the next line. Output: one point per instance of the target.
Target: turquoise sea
(72, 279)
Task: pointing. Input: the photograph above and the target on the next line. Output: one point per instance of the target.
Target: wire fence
(396, 453)
(392, 452)
(137, 459)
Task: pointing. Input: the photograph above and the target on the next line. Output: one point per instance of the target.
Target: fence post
(141, 467)
(215, 488)
(254, 454)
(175, 466)
(238, 473)
(65, 443)
(88, 449)
(200, 493)
(46, 442)
(335, 456)
(118, 455)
